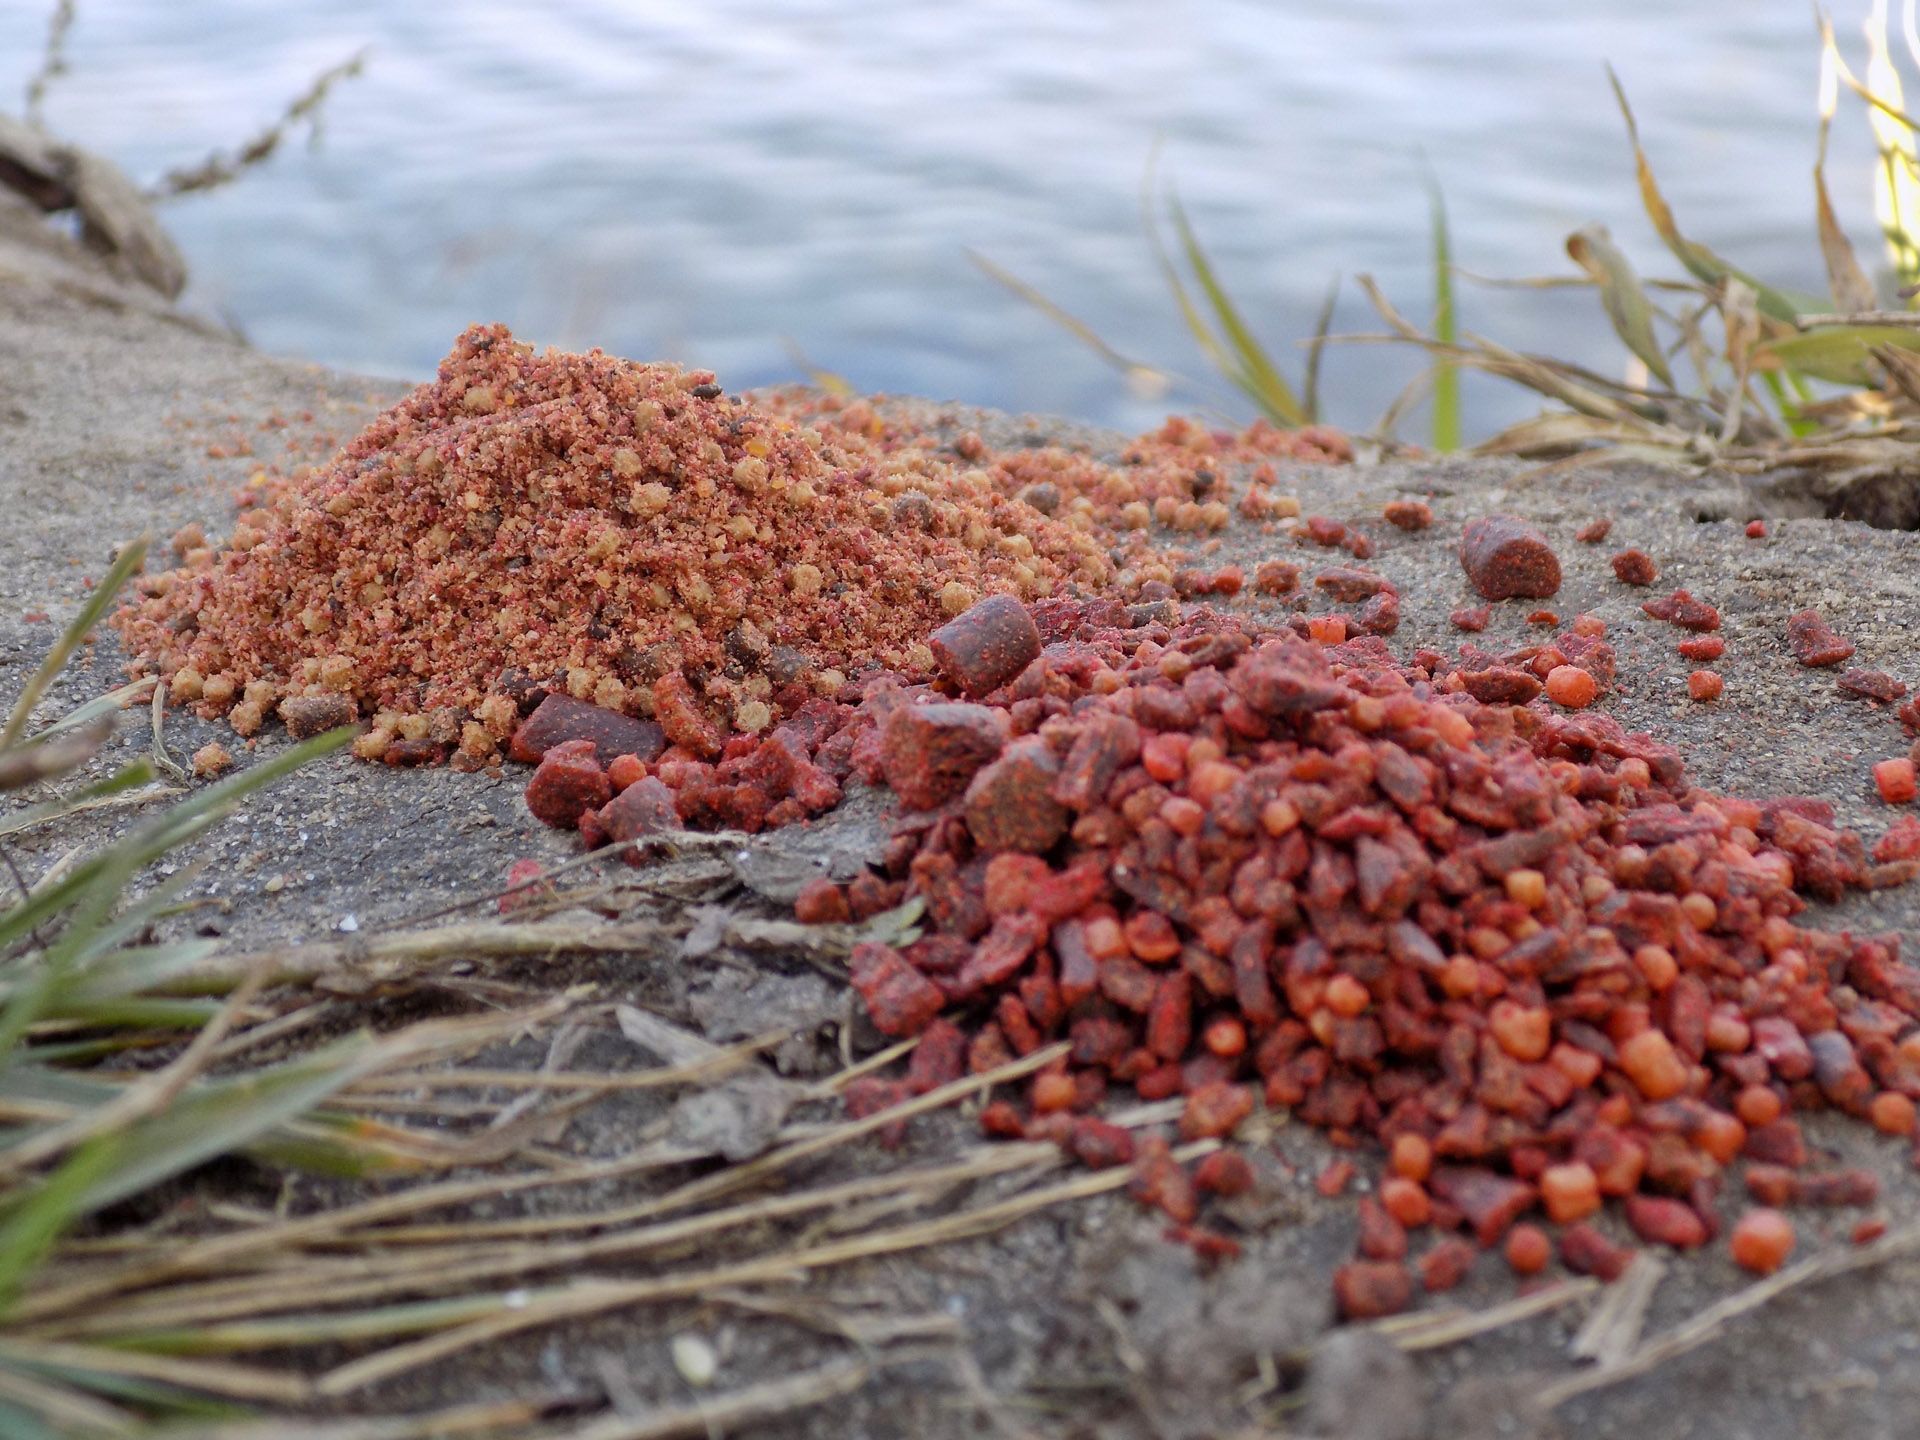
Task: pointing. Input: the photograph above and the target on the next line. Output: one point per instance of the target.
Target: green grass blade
(34, 1223)
(1446, 377)
(111, 703)
(1258, 375)
(131, 558)
(1842, 354)
(224, 1115)
(1621, 294)
(1137, 374)
(1316, 349)
(1696, 257)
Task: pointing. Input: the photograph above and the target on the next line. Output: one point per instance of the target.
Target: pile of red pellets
(1411, 903)
(1434, 905)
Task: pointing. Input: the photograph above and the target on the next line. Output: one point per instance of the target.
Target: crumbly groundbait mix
(634, 535)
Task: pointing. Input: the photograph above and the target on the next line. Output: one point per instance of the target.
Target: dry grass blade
(215, 1377)
(765, 1401)
(462, 1259)
(495, 1317)
(53, 60)
(1144, 379)
(30, 764)
(1613, 1328)
(1696, 257)
(220, 169)
(502, 1419)
(1428, 1330)
(1709, 1323)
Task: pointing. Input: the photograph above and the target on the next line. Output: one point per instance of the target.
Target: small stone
(559, 718)
(695, 1359)
(987, 645)
(1504, 557)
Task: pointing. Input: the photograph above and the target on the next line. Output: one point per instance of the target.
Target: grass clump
(1721, 367)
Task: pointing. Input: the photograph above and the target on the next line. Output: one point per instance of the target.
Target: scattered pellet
(1504, 556)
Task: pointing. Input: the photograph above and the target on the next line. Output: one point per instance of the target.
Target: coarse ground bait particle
(1813, 640)
(628, 535)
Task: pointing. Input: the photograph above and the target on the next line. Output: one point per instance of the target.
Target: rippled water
(711, 182)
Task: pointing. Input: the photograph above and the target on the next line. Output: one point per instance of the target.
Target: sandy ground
(1079, 1320)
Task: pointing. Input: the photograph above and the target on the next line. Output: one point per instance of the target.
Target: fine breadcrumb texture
(627, 533)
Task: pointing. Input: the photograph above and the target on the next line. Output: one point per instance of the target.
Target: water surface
(712, 182)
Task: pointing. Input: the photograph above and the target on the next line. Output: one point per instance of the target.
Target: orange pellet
(1757, 1104)
(1328, 629)
(1653, 1065)
(1569, 1192)
(1524, 1032)
(1571, 686)
(1526, 887)
(1892, 1113)
(1225, 1036)
(1529, 1251)
(1720, 1135)
(1053, 1091)
(1895, 779)
(1347, 997)
(1411, 1157)
(1762, 1240)
(625, 770)
(1406, 1201)
(1705, 684)
(1657, 966)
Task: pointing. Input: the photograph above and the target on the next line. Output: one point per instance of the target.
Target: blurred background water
(709, 182)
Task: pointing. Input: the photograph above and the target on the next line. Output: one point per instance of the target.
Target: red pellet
(1471, 618)
(1528, 1249)
(1225, 1173)
(1446, 1264)
(1756, 529)
(1504, 556)
(1683, 609)
(1813, 640)
(1871, 685)
(1371, 1289)
(1408, 514)
(1635, 567)
(1705, 685)
(1702, 647)
(1335, 1178)
(1594, 531)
